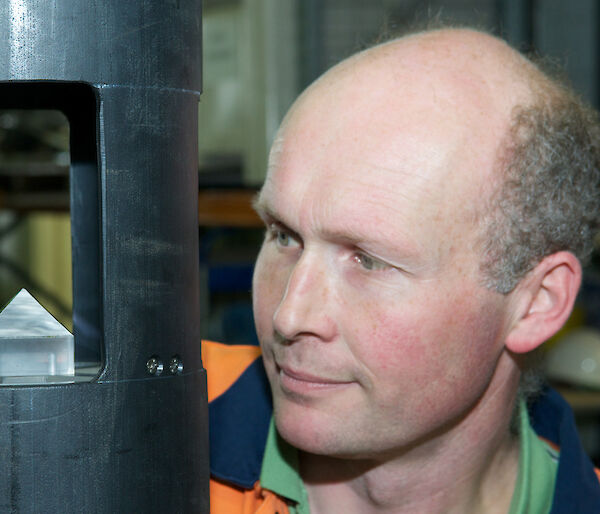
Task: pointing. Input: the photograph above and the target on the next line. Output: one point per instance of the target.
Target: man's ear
(543, 301)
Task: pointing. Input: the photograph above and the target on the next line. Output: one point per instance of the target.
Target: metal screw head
(176, 365)
(154, 366)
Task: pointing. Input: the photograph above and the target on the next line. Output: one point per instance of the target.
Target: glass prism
(33, 343)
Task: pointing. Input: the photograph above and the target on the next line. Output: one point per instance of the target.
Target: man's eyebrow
(376, 241)
(351, 237)
(263, 209)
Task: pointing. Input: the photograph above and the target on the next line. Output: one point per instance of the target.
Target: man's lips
(300, 381)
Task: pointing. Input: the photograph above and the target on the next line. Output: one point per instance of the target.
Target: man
(427, 204)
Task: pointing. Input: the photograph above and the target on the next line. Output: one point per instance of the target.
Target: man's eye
(369, 263)
(283, 238)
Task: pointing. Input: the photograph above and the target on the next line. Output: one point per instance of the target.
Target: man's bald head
(499, 107)
(474, 70)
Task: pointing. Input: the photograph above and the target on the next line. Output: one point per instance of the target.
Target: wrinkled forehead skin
(431, 108)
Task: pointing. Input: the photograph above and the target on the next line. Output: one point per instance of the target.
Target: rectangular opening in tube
(49, 234)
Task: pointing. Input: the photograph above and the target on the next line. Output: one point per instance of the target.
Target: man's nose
(306, 306)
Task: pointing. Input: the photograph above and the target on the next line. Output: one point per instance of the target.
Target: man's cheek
(391, 340)
(406, 350)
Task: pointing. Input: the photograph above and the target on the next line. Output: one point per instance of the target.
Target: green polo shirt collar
(538, 465)
(280, 472)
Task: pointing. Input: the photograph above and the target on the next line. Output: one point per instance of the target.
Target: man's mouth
(302, 382)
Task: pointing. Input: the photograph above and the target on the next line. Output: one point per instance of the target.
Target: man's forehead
(427, 128)
(422, 148)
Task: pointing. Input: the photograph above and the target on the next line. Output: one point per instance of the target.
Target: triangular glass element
(33, 344)
(24, 316)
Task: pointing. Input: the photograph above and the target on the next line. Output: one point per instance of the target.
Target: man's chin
(304, 432)
(313, 433)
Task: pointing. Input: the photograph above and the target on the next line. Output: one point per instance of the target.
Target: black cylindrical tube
(127, 74)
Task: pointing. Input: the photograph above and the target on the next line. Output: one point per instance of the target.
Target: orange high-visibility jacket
(234, 377)
(240, 413)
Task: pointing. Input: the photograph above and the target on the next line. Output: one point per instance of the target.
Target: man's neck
(471, 468)
(366, 487)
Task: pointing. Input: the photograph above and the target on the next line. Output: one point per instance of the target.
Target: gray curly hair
(549, 199)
